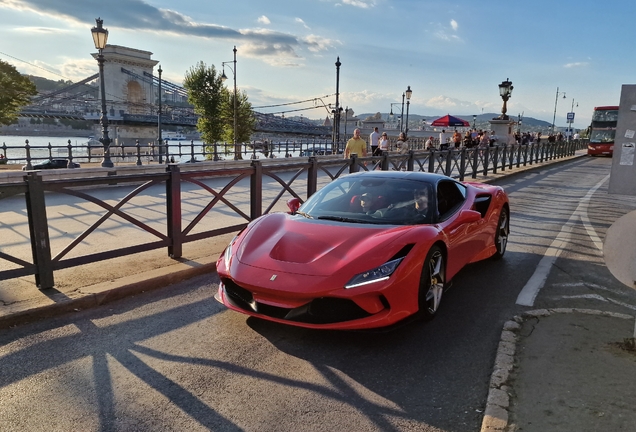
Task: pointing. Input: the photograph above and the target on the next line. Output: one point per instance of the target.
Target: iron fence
(270, 181)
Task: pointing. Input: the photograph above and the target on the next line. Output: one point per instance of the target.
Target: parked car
(368, 250)
(55, 163)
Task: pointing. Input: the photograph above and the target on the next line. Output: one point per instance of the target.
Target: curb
(106, 292)
(498, 401)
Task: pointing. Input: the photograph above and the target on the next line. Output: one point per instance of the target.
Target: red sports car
(368, 250)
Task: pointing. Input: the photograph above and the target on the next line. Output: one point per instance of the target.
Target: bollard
(70, 156)
(27, 147)
(138, 163)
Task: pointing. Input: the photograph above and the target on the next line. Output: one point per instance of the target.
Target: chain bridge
(132, 92)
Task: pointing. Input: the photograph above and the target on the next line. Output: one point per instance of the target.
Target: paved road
(174, 359)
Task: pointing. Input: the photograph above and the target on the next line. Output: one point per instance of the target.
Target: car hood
(282, 242)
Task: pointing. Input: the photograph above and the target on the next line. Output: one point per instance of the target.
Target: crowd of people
(378, 144)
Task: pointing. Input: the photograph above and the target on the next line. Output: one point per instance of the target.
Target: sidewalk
(566, 370)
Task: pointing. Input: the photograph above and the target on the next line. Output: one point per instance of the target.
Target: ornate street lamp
(505, 90)
(237, 154)
(100, 37)
(408, 94)
(337, 109)
(401, 117)
(159, 133)
(556, 100)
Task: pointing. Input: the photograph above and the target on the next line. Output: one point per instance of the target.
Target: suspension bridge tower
(129, 91)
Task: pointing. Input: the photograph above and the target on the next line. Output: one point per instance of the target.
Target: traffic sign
(570, 116)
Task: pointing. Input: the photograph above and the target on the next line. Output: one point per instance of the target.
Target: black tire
(501, 234)
(432, 283)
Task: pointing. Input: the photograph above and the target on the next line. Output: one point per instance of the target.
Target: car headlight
(228, 253)
(374, 275)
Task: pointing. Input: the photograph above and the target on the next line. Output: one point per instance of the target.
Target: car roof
(401, 175)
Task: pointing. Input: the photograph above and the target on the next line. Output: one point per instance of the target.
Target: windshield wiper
(343, 219)
(302, 213)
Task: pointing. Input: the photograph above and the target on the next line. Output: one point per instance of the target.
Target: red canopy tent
(449, 120)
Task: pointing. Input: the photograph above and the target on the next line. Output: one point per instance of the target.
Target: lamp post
(571, 120)
(160, 140)
(237, 153)
(337, 109)
(505, 91)
(408, 94)
(401, 112)
(100, 37)
(556, 100)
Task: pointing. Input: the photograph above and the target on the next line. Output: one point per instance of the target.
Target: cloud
(71, 68)
(364, 4)
(446, 32)
(298, 20)
(445, 36)
(576, 64)
(318, 43)
(142, 16)
(264, 20)
(41, 30)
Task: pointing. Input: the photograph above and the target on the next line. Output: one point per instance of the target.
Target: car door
(462, 236)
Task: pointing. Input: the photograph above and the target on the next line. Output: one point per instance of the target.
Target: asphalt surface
(557, 368)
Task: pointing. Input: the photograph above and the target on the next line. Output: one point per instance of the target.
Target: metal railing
(290, 177)
(176, 151)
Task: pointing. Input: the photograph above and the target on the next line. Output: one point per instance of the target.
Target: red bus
(602, 131)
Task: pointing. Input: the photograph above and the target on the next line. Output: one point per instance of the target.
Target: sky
(453, 54)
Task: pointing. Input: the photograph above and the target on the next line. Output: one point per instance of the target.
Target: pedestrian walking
(403, 144)
(457, 139)
(355, 145)
(383, 146)
(374, 139)
(443, 145)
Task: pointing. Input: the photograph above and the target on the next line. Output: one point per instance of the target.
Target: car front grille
(323, 310)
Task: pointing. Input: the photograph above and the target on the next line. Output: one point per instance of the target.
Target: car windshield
(373, 200)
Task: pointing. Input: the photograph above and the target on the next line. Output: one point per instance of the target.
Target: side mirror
(468, 216)
(293, 204)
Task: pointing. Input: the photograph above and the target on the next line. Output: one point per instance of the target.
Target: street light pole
(556, 100)
(336, 117)
(402, 115)
(401, 112)
(571, 130)
(100, 36)
(160, 140)
(237, 153)
(408, 94)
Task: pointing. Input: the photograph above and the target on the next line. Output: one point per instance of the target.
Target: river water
(45, 147)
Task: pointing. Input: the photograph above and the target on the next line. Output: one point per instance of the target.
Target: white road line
(529, 292)
(585, 296)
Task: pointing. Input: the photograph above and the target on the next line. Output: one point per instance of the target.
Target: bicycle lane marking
(531, 289)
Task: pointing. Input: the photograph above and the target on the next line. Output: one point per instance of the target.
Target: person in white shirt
(383, 146)
(442, 140)
(373, 141)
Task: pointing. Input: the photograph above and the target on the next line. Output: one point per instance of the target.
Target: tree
(245, 119)
(215, 104)
(15, 92)
(205, 93)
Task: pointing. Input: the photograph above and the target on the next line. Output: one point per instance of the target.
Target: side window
(450, 196)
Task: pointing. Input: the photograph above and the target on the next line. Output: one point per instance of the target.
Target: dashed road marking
(530, 291)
